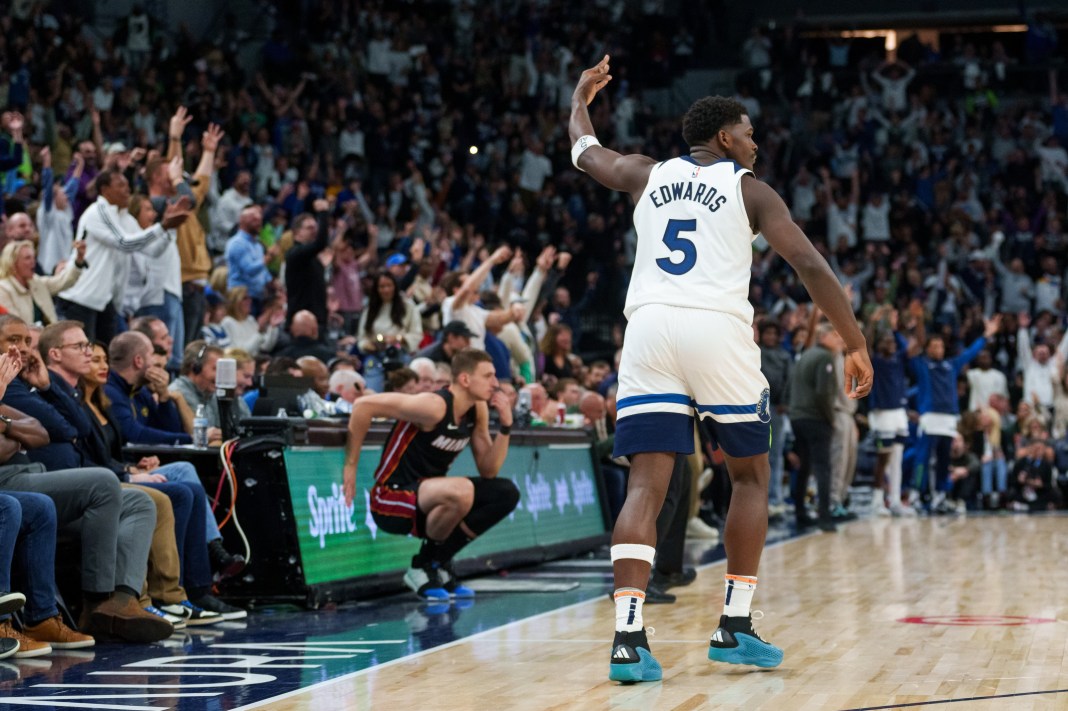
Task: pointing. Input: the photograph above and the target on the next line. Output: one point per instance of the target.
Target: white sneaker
(899, 511)
(697, 528)
(938, 500)
(878, 505)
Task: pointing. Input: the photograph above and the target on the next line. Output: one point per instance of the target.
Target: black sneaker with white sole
(8, 647)
(227, 612)
(193, 614)
(11, 602)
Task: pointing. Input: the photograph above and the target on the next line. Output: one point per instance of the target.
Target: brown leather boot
(122, 617)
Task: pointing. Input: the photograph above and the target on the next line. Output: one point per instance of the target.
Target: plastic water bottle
(200, 428)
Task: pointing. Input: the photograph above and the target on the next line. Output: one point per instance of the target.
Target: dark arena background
(226, 223)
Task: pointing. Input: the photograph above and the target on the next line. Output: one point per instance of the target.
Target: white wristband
(580, 147)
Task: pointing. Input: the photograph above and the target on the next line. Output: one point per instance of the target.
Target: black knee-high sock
(494, 499)
(446, 550)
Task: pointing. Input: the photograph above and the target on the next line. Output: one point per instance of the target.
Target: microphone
(225, 374)
(225, 387)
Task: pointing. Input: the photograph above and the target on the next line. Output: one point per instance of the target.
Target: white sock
(739, 595)
(629, 609)
(893, 473)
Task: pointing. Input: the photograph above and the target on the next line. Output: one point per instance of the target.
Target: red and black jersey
(411, 454)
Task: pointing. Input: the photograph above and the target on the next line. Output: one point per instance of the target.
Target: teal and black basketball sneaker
(631, 659)
(736, 642)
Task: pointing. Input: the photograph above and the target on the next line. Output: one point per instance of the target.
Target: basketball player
(689, 345)
(411, 493)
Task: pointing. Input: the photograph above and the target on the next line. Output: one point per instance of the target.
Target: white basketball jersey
(694, 239)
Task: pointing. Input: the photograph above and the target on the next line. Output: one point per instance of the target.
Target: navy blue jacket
(140, 418)
(889, 389)
(936, 380)
(60, 415)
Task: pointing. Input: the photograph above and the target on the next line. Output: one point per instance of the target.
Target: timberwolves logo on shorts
(763, 407)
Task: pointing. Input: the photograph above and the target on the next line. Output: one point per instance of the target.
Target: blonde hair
(241, 356)
(217, 280)
(10, 254)
(136, 203)
(234, 297)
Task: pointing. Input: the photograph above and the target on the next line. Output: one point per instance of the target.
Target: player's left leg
(492, 500)
(735, 641)
(734, 401)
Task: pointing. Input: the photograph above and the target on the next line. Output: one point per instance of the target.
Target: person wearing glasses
(116, 524)
(27, 294)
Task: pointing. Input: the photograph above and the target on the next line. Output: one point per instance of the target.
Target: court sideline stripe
(465, 640)
(953, 701)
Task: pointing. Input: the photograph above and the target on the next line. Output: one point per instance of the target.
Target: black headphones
(198, 361)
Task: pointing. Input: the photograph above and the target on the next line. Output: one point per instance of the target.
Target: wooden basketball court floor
(956, 613)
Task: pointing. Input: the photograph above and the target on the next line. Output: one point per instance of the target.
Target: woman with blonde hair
(246, 331)
(246, 369)
(29, 295)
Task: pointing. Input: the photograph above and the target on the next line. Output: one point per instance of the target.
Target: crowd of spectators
(934, 181)
(383, 187)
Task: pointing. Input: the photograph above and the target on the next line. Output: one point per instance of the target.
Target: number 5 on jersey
(679, 244)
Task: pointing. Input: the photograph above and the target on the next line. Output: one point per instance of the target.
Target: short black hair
(708, 115)
(105, 177)
(769, 326)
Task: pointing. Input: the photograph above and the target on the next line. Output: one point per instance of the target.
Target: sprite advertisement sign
(559, 502)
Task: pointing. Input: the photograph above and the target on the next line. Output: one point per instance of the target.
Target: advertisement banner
(559, 502)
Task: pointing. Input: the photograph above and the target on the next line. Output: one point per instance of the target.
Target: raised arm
(612, 170)
(1023, 341)
(152, 240)
(98, 136)
(76, 169)
(175, 129)
(769, 216)
(209, 144)
(13, 124)
(469, 288)
(47, 179)
(990, 328)
(875, 321)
